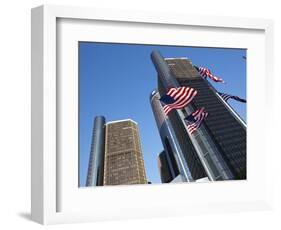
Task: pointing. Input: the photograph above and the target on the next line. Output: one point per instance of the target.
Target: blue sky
(115, 80)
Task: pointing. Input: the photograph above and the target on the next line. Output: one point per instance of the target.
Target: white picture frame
(55, 197)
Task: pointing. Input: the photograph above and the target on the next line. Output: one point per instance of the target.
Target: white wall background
(15, 113)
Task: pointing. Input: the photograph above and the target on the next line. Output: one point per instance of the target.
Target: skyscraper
(95, 167)
(123, 155)
(218, 148)
(164, 168)
(180, 153)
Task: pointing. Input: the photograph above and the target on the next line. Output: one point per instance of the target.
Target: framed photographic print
(140, 115)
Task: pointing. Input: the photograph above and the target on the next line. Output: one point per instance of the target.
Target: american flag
(204, 72)
(226, 96)
(177, 98)
(195, 120)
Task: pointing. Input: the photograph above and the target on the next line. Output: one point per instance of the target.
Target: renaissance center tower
(116, 156)
(218, 149)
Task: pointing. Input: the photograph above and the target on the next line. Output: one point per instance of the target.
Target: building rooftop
(116, 121)
(175, 58)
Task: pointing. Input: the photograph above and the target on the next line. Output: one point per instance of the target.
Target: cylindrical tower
(173, 151)
(96, 159)
(202, 143)
(163, 167)
(163, 71)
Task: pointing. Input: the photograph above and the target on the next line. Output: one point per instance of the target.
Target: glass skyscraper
(164, 168)
(123, 155)
(216, 150)
(95, 167)
(116, 156)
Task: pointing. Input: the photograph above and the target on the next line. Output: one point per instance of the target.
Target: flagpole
(236, 115)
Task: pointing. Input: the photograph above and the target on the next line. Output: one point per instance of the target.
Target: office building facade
(164, 168)
(123, 162)
(216, 150)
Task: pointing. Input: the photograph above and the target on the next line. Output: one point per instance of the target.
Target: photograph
(152, 114)
(142, 113)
